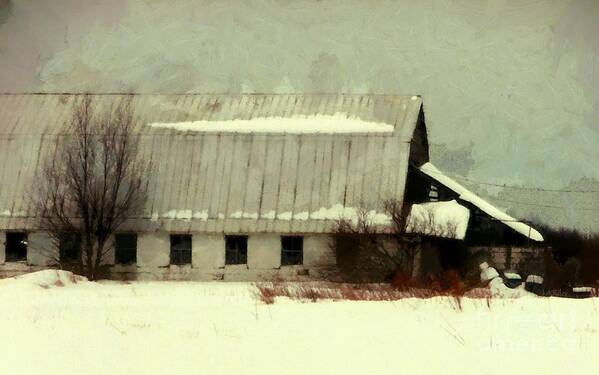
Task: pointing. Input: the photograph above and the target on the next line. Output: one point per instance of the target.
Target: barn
(245, 187)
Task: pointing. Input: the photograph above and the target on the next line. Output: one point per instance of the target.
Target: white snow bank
(45, 279)
(487, 273)
(338, 123)
(220, 328)
(430, 170)
(442, 219)
(498, 287)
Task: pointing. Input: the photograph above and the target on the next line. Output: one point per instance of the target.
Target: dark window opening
(180, 249)
(292, 250)
(16, 246)
(70, 247)
(125, 248)
(236, 249)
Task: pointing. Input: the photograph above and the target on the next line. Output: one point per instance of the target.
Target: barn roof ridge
(116, 93)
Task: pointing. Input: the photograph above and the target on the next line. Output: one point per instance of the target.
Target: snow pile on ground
(465, 194)
(441, 219)
(487, 273)
(221, 328)
(498, 287)
(314, 124)
(44, 279)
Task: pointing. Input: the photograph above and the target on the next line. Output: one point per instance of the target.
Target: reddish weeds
(267, 292)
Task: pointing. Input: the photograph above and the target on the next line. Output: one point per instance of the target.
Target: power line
(527, 203)
(547, 205)
(524, 187)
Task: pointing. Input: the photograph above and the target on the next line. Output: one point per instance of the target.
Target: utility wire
(547, 205)
(524, 187)
(530, 203)
(476, 182)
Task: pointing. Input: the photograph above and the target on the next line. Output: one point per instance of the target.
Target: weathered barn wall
(208, 259)
(153, 250)
(317, 251)
(434, 259)
(427, 260)
(41, 251)
(206, 251)
(507, 258)
(264, 251)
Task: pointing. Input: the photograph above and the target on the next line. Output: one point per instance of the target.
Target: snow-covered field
(51, 327)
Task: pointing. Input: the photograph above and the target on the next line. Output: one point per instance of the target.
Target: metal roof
(232, 182)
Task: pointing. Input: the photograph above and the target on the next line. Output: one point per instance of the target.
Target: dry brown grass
(267, 292)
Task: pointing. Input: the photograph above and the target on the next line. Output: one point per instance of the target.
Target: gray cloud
(511, 87)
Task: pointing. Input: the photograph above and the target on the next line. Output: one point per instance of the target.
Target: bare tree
(366, 251)
(94, 182)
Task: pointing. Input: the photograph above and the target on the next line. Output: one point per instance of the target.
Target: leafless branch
(361, 247)
(93, 183)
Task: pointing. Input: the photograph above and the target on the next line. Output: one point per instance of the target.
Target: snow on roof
(337, 123)
(430, 170)
(443, 219)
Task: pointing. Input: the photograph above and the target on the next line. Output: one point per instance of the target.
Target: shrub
(356, 260)
(448, 284)
(573, 259)
(401, 281)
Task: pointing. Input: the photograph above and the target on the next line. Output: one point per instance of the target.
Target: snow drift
(45, 279)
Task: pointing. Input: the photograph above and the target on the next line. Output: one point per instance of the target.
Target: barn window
(292, 250)
(236, 249)
(16, 246)
(180, 249)
(70, 247)
(125, 248)
(433, 194)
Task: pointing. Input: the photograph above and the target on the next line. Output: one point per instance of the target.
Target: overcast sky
(511, 87)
